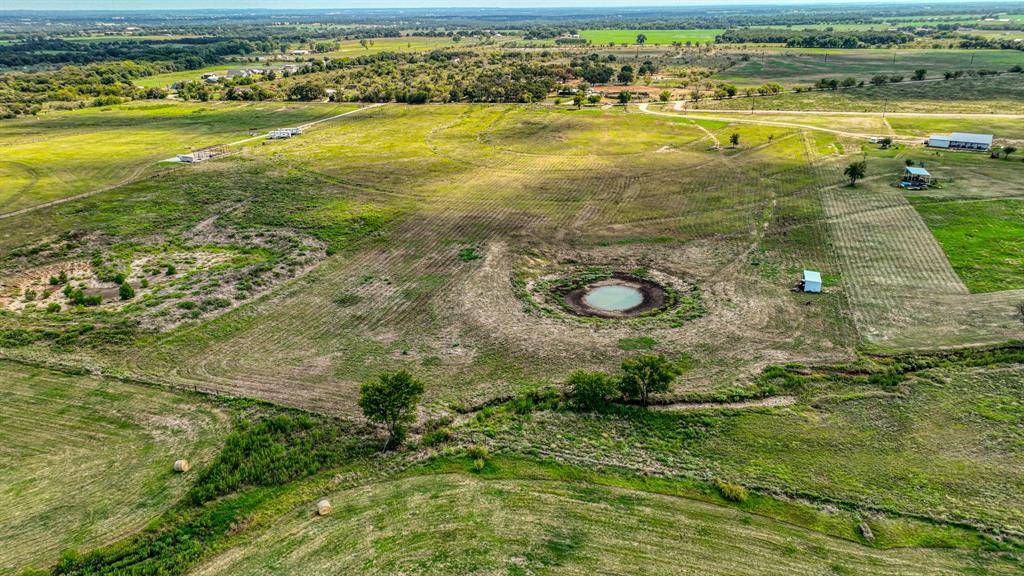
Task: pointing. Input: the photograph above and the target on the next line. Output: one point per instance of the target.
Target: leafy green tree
(391, 400)
(625, 74)
(307, 92)
(590, 390)
(641, 38)
(856, 171)
(879, 79)
(625, 96)
(594, 98)
(734, 138)
(645, 375)
(919, 74)
(577, 99)
(665, 96)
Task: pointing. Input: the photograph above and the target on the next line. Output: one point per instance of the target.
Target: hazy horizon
(137, 5)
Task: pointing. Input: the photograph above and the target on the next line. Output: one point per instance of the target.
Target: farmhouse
(961, 141)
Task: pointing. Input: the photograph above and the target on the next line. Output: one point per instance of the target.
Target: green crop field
(653, 36)
(88, 460)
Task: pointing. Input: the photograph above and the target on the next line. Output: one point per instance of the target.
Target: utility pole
(752, 100)
(884, 106)
(972, 60)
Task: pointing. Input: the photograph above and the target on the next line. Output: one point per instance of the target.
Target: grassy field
(984, 95)
(352, 48)
(435, 230)
(87, 460)
(621, 36)
(984, 240)
(796, 66)
(522, 517)
(63, 154)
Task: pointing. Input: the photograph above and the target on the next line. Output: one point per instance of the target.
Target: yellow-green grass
(624, 36)
(1001, 128)
(983, 239)
(63, 154)
(489, 176)
(352, 48)
(88, 460)
(520, 517)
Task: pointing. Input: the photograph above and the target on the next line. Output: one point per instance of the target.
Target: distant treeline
(815, 38)
(185, 53)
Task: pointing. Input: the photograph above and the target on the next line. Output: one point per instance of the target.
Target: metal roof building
(961, 141)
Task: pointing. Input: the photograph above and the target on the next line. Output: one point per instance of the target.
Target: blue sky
(335, 4)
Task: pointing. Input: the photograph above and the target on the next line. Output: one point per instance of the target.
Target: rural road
(139, 170)
(732, 118)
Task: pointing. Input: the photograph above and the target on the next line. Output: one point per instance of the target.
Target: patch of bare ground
(738, 335)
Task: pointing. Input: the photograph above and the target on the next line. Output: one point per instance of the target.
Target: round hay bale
(181, 466)
(323, 507)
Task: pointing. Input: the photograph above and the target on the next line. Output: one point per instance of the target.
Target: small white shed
(811, 281)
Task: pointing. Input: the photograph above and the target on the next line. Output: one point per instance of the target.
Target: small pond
(613, 298)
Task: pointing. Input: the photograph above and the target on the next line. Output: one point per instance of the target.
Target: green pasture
(983, 239)
(521, 516)
(87, 461)
(805, 66)
(984, 95)
(62, 154)
(622, 36)
(352, 48)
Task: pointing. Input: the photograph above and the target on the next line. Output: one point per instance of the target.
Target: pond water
(613, 298)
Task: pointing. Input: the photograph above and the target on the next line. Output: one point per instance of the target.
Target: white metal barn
(961, 141)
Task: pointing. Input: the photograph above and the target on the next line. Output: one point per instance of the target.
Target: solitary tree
(855, 171)
(391, 400)
(641, 38)
(734, 138)
(664, 96)
(919, 74)
(578, 99)
(625, 96)
(646, 375)
(1009, 150)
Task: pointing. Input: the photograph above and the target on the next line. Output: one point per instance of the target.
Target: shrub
(731, 492)
(126, 292)
(171, 270)
(53, 307)
(590, 390)
(435, 437)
